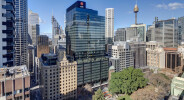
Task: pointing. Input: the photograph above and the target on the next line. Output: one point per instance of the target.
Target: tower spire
(52, 12)
(136, 10)
(136, 2)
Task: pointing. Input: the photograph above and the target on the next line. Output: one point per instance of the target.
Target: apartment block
(122, 51)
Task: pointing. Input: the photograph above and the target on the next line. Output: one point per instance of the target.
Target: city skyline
(163, 9)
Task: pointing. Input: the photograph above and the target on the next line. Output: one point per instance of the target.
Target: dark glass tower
(180, 30)
(7, 29)
(21, 37)
(85, 36)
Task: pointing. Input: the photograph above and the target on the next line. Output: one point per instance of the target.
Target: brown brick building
(42, 45)
(14, 83)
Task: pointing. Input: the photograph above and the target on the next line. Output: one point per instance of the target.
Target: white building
(109, 25)
(122, 51)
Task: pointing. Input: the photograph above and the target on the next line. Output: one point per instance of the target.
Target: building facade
(58, 78)
(122, 51)
(14, 83)
(68, 79)
(31, 58)
(141, 31)
(166, 32)
(115, 62)
(21, 30)
(7, 32)
(42, 45)
(56, 31)
(120, 34)
(85, 40)
(173, 60)
(131, 32)
(155, 54)
(33, 26)
(139, 53)
(177, 87)
(109, 25)
(180, 30)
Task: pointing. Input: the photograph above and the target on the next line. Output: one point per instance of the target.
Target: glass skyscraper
(85, 34)
(180, 30)
(21, 24)
(166, 32)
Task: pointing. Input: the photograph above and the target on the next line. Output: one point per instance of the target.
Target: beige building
(14, 83)
(58, 78)
(155, 54)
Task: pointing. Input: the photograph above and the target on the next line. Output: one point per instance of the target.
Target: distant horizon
(148, 10)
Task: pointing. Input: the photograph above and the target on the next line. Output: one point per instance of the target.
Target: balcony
(8, 7)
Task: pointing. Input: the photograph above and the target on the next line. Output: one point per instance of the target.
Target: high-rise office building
(149, 32)
(120, 34)
(21, 24)
(125, 34)
(56, 31)
(31, 58)
(85, 40)
(165, 31)
(131, 32)
(139, 53)
(33, 26)
(109, 25)
(42, 45)
(180, 30)
(7, 31)
(122, 51)
(141, 31)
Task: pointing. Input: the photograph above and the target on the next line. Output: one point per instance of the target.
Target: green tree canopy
(125, 97)
(98, 95)
(127, 81)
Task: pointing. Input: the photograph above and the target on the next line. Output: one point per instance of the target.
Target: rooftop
(13, 72)
(170, 49)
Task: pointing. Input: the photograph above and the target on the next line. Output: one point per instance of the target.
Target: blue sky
(124, 16)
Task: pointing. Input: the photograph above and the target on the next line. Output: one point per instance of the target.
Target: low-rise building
(173, 60)
(14, 83)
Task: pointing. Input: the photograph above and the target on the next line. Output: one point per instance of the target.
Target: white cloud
(171, 6)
